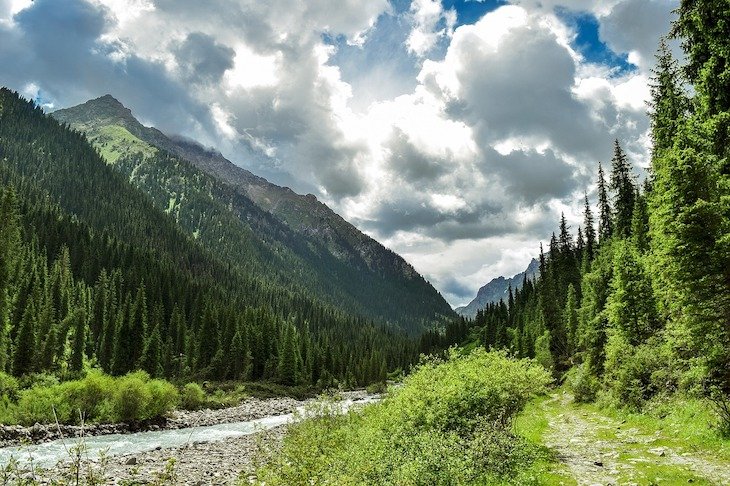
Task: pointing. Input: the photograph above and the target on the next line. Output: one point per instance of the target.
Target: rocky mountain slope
(257, 225)
(497, 289)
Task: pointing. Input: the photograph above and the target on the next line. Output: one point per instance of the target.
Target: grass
(673, 442)
(114, 141)
(681, 423)
(532, 424)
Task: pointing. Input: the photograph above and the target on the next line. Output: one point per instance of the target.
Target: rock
(598, 463)
(659, 451)
(131, 461)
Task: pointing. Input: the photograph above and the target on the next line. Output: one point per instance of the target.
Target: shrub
(163, 398)
(379, 387)
(38, 403)
(91, 395)
(132, 396)
(192, 397)
(447, 424)
(8, 386)
(582, 383)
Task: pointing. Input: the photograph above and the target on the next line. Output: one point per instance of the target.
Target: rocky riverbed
(200, 463)
(223, 462)
(250, 409)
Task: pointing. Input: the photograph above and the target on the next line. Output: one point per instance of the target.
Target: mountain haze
(258, 226)
(497, 289)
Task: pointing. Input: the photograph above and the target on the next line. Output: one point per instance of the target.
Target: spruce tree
(624, 189)
(9, 254)
(24, 348)
(589, 229)
(605, 213)
(79, 341)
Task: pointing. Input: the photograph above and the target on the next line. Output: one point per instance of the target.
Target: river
(48, 454)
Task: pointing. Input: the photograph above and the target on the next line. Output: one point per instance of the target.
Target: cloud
(431, 22)
(634, 27)
(457, 145)
(201, 59)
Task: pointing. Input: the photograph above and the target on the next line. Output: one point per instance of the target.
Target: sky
(453, 131)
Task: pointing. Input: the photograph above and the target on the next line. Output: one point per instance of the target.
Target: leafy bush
(192, 397)
(582, 383)
(379, 387)
(8, 386)
(98, 397)
(447, 424)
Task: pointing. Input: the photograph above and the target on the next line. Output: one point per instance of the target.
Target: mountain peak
(105, 108)
(497, 289)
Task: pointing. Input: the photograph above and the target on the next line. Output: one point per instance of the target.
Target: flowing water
(48, 454)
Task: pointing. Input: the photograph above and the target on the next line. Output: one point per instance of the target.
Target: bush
(192, 397)
(98, 397)
(582, 383)
(8, 386)
(376, 388)
(447, 424)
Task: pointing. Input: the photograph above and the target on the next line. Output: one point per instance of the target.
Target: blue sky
(455, 132)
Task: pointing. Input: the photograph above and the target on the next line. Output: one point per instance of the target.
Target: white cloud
(430, 24)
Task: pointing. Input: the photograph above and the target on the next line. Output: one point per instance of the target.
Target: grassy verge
(686, 425)
(450, 423)
(532, 424)
(673, 442)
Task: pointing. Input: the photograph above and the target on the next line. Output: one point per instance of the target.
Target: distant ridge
(497, 289)
(314, 246)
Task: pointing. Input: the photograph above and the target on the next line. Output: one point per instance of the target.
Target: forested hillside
(258, 227)
(91, 273)
(637, 303)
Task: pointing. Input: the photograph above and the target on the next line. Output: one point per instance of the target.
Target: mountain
(94, 273)
(260, 228)
(497, 289)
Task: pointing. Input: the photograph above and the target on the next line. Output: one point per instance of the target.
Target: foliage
(192, 397)
(96, 397)
(448, 424)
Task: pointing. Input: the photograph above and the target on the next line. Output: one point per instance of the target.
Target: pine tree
(79, 341)
(605, 213)
(9, 254)
(570, 315)
(590, 230)
(288, 369)
(151, 358)
(24, 349)
(624, 190)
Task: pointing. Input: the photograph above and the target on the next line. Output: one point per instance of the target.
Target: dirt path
(600, 450)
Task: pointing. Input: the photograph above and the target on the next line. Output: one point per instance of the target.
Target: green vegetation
(97, 398)
(92, 274)
(115, 141)
(450, 423)
(639, 307)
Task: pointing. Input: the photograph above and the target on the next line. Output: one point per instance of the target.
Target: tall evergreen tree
(590, 230)
(624, 189)
(605, 213)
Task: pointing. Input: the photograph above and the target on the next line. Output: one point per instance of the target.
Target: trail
(600, 450)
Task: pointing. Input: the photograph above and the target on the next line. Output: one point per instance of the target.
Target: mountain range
(264, 230)
(497, 289)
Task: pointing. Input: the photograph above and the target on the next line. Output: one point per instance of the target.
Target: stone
(131, 461)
